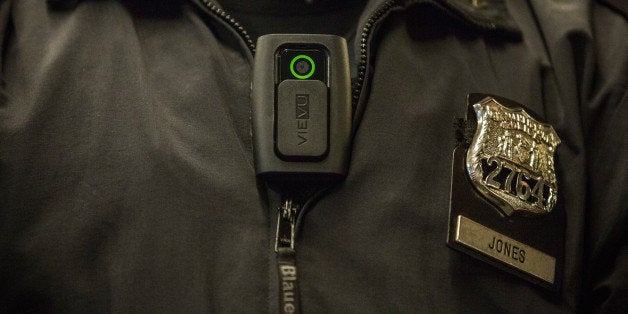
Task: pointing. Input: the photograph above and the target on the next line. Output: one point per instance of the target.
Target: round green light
(297, 75)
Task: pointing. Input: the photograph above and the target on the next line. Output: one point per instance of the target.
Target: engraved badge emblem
(511, 159)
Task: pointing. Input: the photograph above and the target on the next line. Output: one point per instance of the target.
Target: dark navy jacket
(126, 167)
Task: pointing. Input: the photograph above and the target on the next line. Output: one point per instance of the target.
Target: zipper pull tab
(286, 261)
(286, 221)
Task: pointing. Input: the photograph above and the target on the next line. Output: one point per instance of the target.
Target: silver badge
(511, 159)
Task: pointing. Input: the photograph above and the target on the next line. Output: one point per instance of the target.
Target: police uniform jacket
(127, 179)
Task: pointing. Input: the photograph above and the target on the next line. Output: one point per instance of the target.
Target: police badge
(504, 206)
(511, 159)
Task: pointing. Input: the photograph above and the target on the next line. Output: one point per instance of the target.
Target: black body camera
(301, 112)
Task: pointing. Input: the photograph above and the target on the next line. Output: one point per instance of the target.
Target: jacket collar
(486, 16)
(490, 16)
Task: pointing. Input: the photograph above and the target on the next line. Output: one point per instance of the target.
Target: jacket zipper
(289, 299)
(224, 16)
(288, 214)
(364, 48)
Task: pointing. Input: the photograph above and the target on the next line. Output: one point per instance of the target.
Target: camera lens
(302, 67)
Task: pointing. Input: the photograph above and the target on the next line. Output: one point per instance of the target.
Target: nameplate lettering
(505, 249)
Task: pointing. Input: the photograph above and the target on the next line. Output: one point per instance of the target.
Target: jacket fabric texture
(126, 167)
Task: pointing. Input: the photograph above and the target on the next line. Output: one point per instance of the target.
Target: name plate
(505, 249)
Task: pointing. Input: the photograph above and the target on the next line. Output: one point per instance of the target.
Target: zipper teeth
(364, 37)
(221, 14)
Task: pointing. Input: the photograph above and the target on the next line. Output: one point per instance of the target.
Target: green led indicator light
(302, 76)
